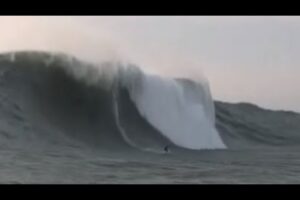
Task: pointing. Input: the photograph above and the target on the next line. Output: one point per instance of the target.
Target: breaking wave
(109, 105)
(56, 98)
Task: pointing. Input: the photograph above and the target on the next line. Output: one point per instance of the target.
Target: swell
(245, 125)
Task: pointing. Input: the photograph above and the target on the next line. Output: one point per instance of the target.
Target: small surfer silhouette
(167, 149)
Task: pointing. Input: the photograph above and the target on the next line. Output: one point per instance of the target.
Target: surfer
(167, 149)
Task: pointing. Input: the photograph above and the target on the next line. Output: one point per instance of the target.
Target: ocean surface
(63, 120)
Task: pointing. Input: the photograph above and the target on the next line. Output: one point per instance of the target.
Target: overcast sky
(249, 59)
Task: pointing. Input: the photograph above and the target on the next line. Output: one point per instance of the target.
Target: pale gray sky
(250, 59)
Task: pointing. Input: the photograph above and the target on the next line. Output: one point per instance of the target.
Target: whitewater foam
(184, 116)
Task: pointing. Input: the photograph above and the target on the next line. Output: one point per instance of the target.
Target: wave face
(109, 106)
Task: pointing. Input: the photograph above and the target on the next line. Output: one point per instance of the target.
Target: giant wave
(108, 105)
(54, 98)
